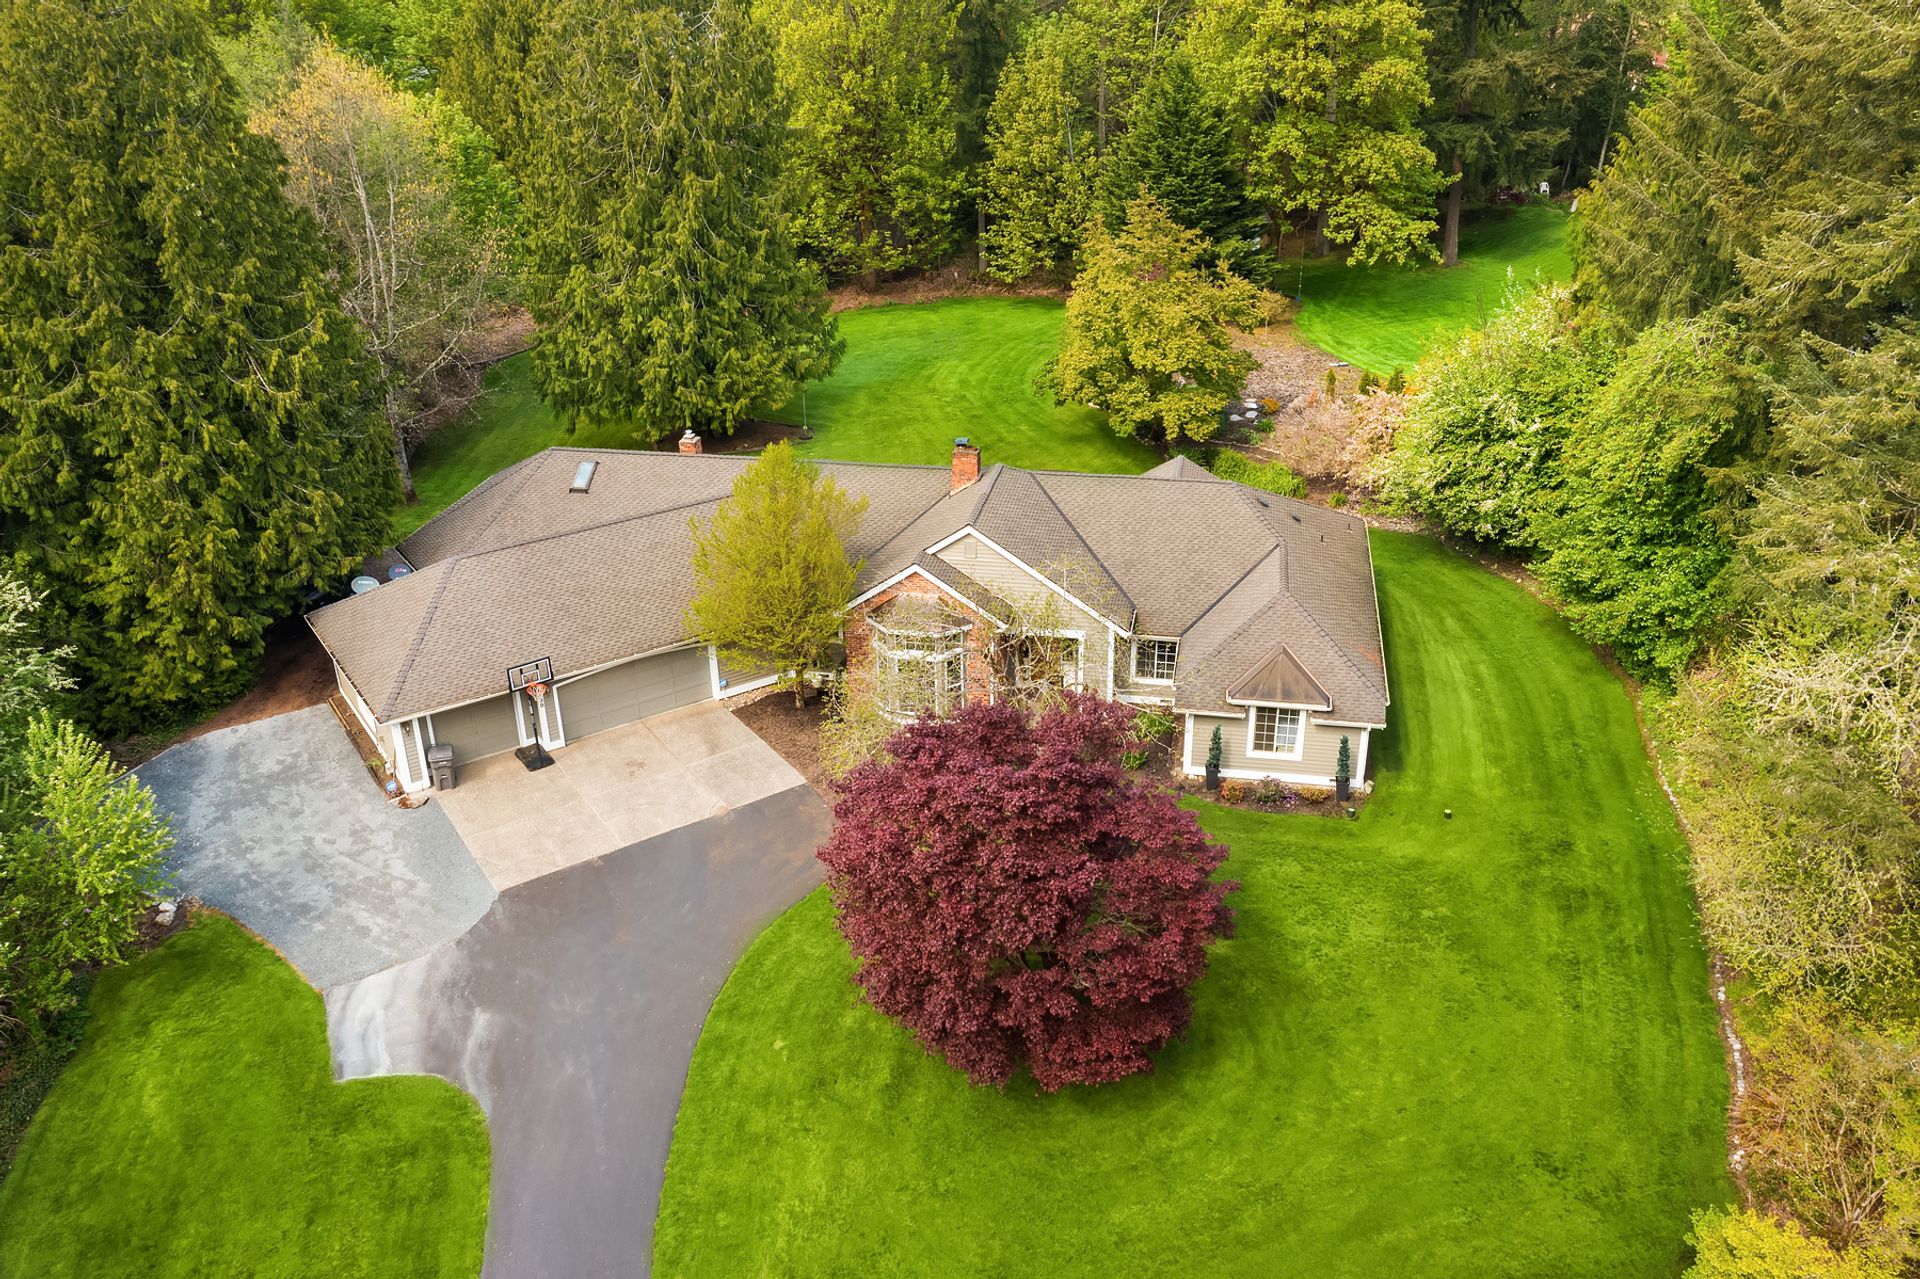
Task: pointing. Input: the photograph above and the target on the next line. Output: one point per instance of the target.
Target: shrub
(1232, 791)
(1368, 381)
(1750, 1245)
(1271, 477)
(1336, 500)
(1214, 749)
(82, 852)
(1396, 381)
(1832, 1126)
(1313, 794)
(1269, 405)
(1332, 384)
(1014, 901)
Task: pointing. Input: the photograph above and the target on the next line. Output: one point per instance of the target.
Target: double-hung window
(1276, 731)
(1153, 659)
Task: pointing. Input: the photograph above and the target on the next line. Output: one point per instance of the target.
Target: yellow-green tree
(1148, 331)
(771, 573)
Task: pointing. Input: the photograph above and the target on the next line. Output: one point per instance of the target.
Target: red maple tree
(1014, 900)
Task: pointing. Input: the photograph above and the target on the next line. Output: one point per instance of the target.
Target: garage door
(483, 728)
(634, 691)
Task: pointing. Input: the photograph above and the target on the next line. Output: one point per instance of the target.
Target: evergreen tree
(665, 283)
(1064, 99)
(874, 141)
(1328, 96)
(1179, 149)
(1147, 335)
(487, 69)
(1038, 188)
(192, 435)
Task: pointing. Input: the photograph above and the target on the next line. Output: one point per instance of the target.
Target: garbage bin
(440, 765)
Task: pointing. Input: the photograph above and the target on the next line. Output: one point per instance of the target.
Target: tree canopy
(1148, 331)
(663, 275)
(193, 436)
(771, 574)
(1015, 902)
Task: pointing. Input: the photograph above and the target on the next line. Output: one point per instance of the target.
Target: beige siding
(354, 702)
(735, 675)
(478, 729)
(1017, 587)
(1319, 755)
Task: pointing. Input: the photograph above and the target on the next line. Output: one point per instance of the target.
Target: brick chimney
(966, 464)
(689, 443)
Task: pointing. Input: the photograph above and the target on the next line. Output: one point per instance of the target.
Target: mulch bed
(294, 674)
(749, 436)
(1278, 797)
(793, 733)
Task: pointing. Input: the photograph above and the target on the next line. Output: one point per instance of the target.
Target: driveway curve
(570, 1011)
(277, 823)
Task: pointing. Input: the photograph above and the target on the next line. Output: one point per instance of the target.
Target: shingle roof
(522, 568)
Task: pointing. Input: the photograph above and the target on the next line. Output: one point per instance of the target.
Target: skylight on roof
(583, 476)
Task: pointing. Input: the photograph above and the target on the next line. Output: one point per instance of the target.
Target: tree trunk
(1320, 234)
(397, 423)
(799, 692)
(1450, 219)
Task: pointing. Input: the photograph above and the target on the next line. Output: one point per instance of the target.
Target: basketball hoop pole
(532, 679)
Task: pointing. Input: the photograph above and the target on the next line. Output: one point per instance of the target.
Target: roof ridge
(903, 529)
(632, 518)
(994, 473)
(419, 640)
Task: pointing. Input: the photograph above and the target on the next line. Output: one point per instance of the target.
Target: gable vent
(583, 476)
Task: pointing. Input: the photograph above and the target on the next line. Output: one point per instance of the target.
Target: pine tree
(192, 435)
(666, 286)
(1328, 97)
(1179, 149)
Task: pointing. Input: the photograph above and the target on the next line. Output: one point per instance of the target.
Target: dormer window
(1154, 660)
(583, 476)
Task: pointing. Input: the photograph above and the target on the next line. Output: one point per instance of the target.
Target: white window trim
(931, 657)
(1079, 684)
(1136, 677)
(1299, 737)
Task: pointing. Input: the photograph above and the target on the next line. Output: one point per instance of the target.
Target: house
(1226, 606)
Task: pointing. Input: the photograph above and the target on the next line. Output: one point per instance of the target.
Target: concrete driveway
(610, 791)
(571, 1010)
(277, 823)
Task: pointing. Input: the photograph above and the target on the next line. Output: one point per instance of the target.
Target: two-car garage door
(635, 690)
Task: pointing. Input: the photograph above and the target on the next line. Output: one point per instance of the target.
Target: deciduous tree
(1328, 97)
(771, 573)
(1147, 332)
(1016, 903)
(411, 269)
(192, 432)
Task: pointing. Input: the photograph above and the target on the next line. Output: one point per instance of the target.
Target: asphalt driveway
(571, 1010)
(277, 823)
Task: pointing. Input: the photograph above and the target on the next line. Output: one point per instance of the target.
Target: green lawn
(1480, 1046)
(199, 1132)
(1385, 317)
(913, 378)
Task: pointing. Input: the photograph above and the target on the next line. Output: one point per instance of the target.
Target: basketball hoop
(537, 690)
